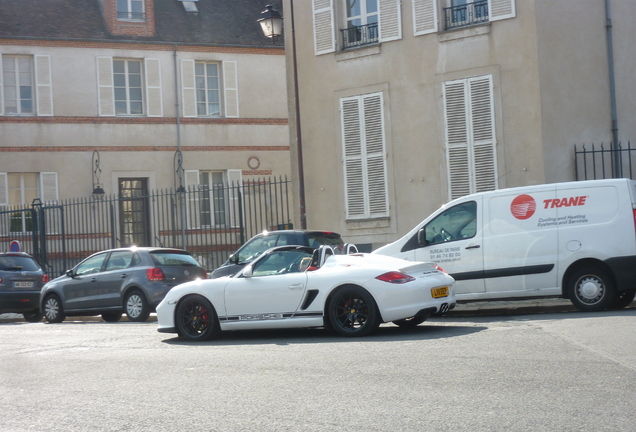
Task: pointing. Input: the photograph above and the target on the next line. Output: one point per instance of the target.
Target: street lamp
(271, 22)
(274, 28)
(98, 190)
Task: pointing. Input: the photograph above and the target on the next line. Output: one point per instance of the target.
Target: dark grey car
(258, 244)
(21, 279)
(132, 280)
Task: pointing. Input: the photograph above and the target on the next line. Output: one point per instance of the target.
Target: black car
(132, 280)
(21, 279)
(269, 239)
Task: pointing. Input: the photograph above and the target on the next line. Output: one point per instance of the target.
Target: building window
(362, 23)
(463, 13)
(17, 80)
(212, 198)
(470, 136)
(18, 191)
(364, 152)
(208, 90)
(130, 10)
(127, 86)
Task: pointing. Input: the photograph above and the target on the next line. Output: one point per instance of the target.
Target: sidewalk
(513, 307)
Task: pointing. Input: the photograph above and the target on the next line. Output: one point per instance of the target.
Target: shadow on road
(385, 333)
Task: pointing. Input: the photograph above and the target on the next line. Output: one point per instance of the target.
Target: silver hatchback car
(132, 280)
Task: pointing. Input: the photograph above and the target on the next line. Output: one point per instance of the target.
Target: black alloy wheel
(352, 312)
(53, 309)
(196, 319)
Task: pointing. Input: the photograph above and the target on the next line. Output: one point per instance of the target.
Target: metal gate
(61, 234)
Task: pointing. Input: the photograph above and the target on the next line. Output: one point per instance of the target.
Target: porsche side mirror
(247, 272)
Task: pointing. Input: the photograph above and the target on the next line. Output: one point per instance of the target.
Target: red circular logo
(523, 207)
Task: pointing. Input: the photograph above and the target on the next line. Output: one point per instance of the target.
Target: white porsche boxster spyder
(298, 286)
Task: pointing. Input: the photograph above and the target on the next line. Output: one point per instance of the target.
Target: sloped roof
(218, 22)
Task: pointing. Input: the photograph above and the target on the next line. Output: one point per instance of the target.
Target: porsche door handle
(473, 246)
(296, 287)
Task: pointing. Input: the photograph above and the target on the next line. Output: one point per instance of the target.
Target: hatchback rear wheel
(136, 305)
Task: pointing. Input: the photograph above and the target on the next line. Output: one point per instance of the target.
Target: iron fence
(359, 35)
(601, 162)
(210, 222)
(466, 14)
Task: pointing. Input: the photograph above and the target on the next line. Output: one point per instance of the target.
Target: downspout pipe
(610, 58)
(180, 189)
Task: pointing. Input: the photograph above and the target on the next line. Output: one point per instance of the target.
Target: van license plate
(439, 292)
(23, 284)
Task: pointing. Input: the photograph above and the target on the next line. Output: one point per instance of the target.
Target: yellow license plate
(439, 292)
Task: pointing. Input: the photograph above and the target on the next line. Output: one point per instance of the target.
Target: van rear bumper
(624, 269)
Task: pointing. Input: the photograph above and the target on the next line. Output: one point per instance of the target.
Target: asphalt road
(565, 371)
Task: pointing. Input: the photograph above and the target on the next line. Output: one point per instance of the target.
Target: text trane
(564, 202)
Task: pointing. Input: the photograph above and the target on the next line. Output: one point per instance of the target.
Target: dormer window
(130, 10)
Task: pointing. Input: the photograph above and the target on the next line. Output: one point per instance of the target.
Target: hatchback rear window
(324, 238)
(173, 259)
(18, 263)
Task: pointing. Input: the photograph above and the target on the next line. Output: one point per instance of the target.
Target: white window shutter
(376, 181)
(43, 86)
(48, 187)
(483, 133)
(390, 20)
(193, 213)
(470, 136)
(501, 9)
(4, 189)
(235, 190)
(352, 150)
(424, 17)
(152, 69)
(324, 41)
(188, 91)
(457, 159)
(230, 88)
(105, 88)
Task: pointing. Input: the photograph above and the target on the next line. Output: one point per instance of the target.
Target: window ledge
(368, 223)
(464, 32)
(354, 53)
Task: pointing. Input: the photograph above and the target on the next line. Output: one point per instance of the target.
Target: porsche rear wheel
(352, 312)
(196, 319)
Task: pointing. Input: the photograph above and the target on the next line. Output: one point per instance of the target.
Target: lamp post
(272, 26)
(98, 190)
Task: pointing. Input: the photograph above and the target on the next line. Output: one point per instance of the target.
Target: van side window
(456, 223)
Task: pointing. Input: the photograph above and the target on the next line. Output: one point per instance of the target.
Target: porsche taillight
(395, 277)
(155, 274)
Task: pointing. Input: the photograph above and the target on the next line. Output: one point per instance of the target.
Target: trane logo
(564, 202)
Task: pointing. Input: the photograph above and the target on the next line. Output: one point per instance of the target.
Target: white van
(576, 240)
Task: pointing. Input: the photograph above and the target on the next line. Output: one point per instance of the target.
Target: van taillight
(45, 278)
(155, 274)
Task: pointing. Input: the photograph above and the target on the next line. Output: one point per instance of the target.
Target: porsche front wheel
(352, 312)
(196, 319)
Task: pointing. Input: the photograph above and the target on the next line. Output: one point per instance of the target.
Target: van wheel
(591, 289)
(623, 299)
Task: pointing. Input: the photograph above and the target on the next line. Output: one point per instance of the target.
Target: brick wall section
(118, 27)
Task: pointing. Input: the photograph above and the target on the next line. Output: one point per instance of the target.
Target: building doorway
(134, 225)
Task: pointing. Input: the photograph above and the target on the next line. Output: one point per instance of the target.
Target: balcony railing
(466, 14)
(356, 36)
(131, 16)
